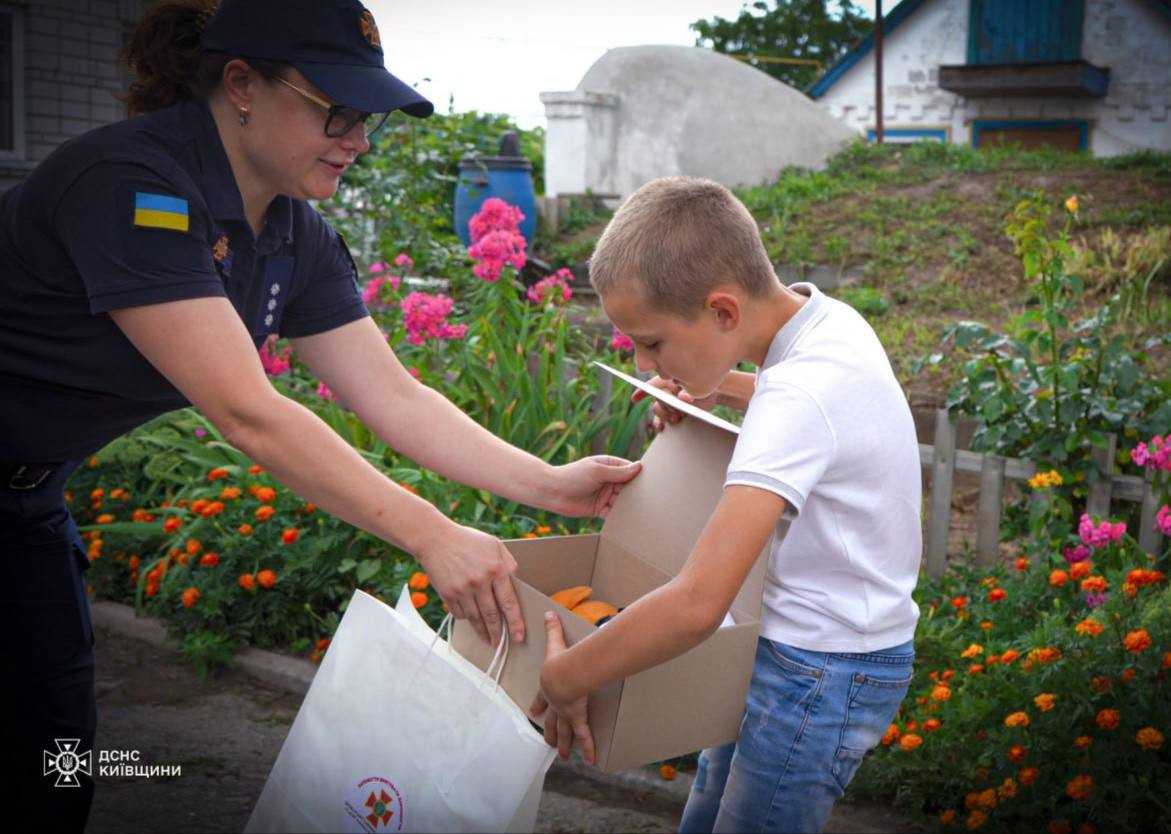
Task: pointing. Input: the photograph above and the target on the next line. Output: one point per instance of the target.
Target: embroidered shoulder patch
(159, 211)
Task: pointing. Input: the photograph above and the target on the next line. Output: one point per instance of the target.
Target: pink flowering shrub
(404, 261)
(552, 289)
(1101, 534)
(275, 363)
(620, 341)
(1154, 454)
(494, 215)
(1163, 520)
(425, 317)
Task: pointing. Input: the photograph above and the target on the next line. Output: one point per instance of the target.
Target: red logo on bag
(375, 805)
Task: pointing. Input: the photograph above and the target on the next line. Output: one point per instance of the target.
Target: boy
(828, 444)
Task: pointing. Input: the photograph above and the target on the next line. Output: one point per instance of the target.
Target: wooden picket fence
(943, 460)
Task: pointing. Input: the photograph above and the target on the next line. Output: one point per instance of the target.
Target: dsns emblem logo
(67, 763)
(374, 805)
(370, 29)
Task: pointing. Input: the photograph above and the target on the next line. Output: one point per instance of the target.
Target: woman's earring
(243, 117)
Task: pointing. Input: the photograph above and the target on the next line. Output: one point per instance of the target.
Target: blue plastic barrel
(508, 177)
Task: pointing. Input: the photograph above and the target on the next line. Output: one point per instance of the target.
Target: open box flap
(659, 515)
(671, 400)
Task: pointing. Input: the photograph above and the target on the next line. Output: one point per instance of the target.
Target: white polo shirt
(829, 430)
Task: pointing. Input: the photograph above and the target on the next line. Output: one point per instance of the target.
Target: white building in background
(649, 111)
(1075, 74)
(58, 74)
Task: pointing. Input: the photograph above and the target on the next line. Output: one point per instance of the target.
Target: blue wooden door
(1024, 31)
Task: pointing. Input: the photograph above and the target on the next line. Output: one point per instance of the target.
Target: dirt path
(225, 734)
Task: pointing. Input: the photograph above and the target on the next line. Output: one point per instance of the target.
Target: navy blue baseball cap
(333, 43)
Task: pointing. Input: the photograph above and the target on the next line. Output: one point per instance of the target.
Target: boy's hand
(565, 717)
(664, 414)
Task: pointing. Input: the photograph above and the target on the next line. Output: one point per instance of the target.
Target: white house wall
(1128, 37)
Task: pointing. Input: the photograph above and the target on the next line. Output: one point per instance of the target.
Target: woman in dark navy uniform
(141, 265)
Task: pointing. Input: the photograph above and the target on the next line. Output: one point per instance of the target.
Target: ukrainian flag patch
(158, 211)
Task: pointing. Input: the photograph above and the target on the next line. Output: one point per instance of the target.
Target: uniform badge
(160, 211)
(221, 253)
(370, 30)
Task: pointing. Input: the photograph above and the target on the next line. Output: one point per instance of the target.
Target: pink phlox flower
(1154, 454)
(494, 250)
(324, 392)
(552, 289)
(1163, 520)
(1101, 534)
(425, 317)
(1073, 555)
(620, 341)
(404, 261)
(1095, 600)
(375, 268)
(372, 290)
(275, 364)
(494, 215)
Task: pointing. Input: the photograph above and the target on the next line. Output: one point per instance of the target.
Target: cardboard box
(691, 702)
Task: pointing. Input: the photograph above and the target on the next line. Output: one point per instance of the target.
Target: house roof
(890, 22)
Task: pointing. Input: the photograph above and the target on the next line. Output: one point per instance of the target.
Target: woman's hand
(588, 487)
(472, 572)
(662, 414)
(565, 716)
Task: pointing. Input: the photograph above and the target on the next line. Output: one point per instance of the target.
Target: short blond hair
(678, 238)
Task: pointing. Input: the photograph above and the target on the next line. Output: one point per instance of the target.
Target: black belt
(25, 476)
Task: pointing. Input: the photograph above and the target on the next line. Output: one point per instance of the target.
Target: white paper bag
(400, 733)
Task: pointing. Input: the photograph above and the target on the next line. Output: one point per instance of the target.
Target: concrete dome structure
(642, 112)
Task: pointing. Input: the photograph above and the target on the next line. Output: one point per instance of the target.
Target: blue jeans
(809, 720)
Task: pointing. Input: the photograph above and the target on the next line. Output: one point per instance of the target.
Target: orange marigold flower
(255, 469)
(1107, 719)
(1027, 776)
(418, 599)
(194, 546)
(212, 509)
(290, 535)
(909, 742)
(247, 581)
(1007, 789)
(1059, 827)
(1022, 564)
(134, 561)
(419, 581)
(975, 668)
(1087, 828)
(1095, 584)
(322, 644)
(1016, 754)
(992, 659)
(1080, 570)
(959, 602)
(265, 513)
(529, 536)
(985, 799)
(209, 560)
(266, 495)
(409, 488)
(1017, 719)
(1127, 674)
(1137, 641)
(190, 597)
(1149, 738)
(1166, 661)
(172, 524)
(1009, 656)
(1130, 590)
(996, 595)
(266, 578)
(1080, 787)
(1058, 578)
(1089, 627)
(198, 505)
(948, 674)
(183, 558)
(948, 816)
(543, 530)
(105, 518)
(230, 493)
(667, 772)
(309, 508)
(976, 819)
(891, 735)
(217, 473)
(941, 693)
(152, 588)
(1045, 654)
(972, 650)
(986, 625)
(931, 725)
(1082, 742)
(244, 529)
(1045, 701)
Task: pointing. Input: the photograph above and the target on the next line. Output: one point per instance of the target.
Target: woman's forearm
(303, 453)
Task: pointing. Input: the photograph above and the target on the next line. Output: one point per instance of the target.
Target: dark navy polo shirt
(141, 212)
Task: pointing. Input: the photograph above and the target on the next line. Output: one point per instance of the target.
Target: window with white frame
(11, 83)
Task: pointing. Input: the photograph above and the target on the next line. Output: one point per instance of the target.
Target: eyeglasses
(341, 119)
